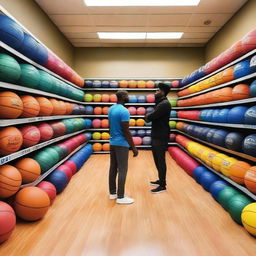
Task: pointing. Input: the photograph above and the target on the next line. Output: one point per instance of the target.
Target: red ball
(96, 123)
(132, 111)
(59, 129)
(137, 141)
(31, 135)
(46, 131)
(71, 165)
(49, 188)
(151, 98)
(66, 169)
(104, 123)
(141, 111)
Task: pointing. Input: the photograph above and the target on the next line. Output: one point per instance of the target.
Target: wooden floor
(83, 221)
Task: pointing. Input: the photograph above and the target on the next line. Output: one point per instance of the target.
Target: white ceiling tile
(204, 28)
(168, 20)
(81, 35)
(123, 41)
(76, 29)
(78, 20)
(117, 10)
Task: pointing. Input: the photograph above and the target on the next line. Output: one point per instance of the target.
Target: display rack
(107, 129)
(53, 168)
(106, 116)
(112, 103)
(88, 89)
(25, 151)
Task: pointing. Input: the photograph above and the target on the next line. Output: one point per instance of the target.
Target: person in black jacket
(160, 134)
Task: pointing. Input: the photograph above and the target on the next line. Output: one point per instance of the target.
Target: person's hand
(135, 152)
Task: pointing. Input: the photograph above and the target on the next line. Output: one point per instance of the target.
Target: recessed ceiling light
(164, 35)
(141, 2)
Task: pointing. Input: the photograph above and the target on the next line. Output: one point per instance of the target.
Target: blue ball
(88, 135)
(198, 171)
(250, 116)
(218, 137)
(190, 129)
(253, 89)
(223, 116)
(113, 84)
(201, 72)
(10, 32)
(242, 69)
(173, 114)
(141, 133)
(234, 141)
(105, 84)
(216, 187)
(76, 110)
(236, 115)
(89, 110)
(41, 56)
(204, 133)
(249, 145)
(146, 140)
(141, 98)
(149, 110)
(82, 110)
(133, 133)
(96, 84)
(203, 115)
(210, 134)
(132, 98)
(209, 115)
(88, 123)
(148, 132)
(215, 116)
(88, 83)
(58, 179)
(29, 46)
(207, 178)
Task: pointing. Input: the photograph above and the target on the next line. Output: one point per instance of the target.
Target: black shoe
(158, 190)
(155, 183)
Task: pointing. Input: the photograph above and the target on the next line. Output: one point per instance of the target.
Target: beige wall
(239, 25)
(37, 22)
(137, 62)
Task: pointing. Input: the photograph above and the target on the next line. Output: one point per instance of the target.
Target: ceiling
(80, 23)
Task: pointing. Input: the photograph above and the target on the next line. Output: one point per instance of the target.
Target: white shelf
(118, 89)
(222, 68)
(112, 103)
(238, 126)
(107, 129)
(228, 103)
(53, 168)
(106, 116)
(8, 122)
(37, 92)
(25, 151)
(99, 141)
(133, 78)
(101, 152)
(239, 187)
(238, 80)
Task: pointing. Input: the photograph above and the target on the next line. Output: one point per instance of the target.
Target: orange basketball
(225, 94)
(97, 147)
(31, 107)
(113, 98)
(29, 169)
(104, 123)
(56, 107)
(140, 122)
(123, 84)
(105, 98)
(150, 84)
(228, 75)
(141, 84)
(69, 108)
(46, 107)
(97, 111)
(62, 106)
(238, 170)
(132, 84)
(105, 110)
(31, 203)
(132, 122)
(106, 147)
(31, 135)
(241, 91)
(250, 179)
(10, 140)
(11, 105)
(10, 180)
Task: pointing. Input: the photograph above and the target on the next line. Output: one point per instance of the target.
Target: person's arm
(161, 109)
(128, 137)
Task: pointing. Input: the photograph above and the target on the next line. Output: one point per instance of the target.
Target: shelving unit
(112, 103)
(235, 153)
(88, 89)
(107, 129)
(25, 151)
(106, 116)
(53, 168)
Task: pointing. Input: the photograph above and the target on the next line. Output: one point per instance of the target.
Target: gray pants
(118, 164)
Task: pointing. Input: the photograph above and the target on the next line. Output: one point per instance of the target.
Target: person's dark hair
(121, 95)
(165, 87)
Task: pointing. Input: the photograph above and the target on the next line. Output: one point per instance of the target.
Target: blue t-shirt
(116, 115)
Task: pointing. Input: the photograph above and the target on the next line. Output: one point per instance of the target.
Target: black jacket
(160, 120)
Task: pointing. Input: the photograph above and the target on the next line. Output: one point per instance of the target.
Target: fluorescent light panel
(140, 35)
(141, 2)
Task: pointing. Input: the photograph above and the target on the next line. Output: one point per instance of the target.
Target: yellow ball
(97, 98)
(210, 157)
(204, 155)
(194, 88)
(105, 136)
(88, 97)
(217, 160)
(226, 164)
(249, 218)
(96, 136)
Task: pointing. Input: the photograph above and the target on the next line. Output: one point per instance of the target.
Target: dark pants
(118, 164)
(158, 150)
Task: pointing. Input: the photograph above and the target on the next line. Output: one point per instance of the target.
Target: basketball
(249, 218)
(69, 108)
(10, 140)
(97, 147)
(31, 203)
(7, 221)
(250, 179)
(11, 105)
(56, 107)
(10, 180)
(46, 107)
(62, 108)
(31, 135)
(46, 131)
(241, 91)
(31, 107)
(29, 169)
(238, 170)
(49, 188)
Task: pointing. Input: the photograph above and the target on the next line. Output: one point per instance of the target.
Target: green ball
(45, 160)
(69, 90)
(172, 124)
(63, 152)
(54, 154)
(88, 97)
(173, 103)
(77, 124)
(9, 69)
(63, 86)
(29, 77)
(225, 195)
(236, 205)
(77, 95)
(69, 125)
(46, 82)
(56, 89)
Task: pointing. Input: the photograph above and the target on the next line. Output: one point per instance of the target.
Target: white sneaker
(112, 196)
(124, 200)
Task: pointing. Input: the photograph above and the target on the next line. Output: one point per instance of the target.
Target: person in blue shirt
(120, 141)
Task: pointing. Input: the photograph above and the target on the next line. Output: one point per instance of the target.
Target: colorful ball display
(46, 107)
(31, 107)
(250, 179)
(49, 188)
(46, 131)
(31, 135)
(59, 179)
(249, 218)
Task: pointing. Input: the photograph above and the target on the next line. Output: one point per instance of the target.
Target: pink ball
(49, 188)
(175, 83)
(150, 98)
(71, 165)
(96, 123)
(66, 169)
(141, 111)
(132, 110)
(137, 141)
